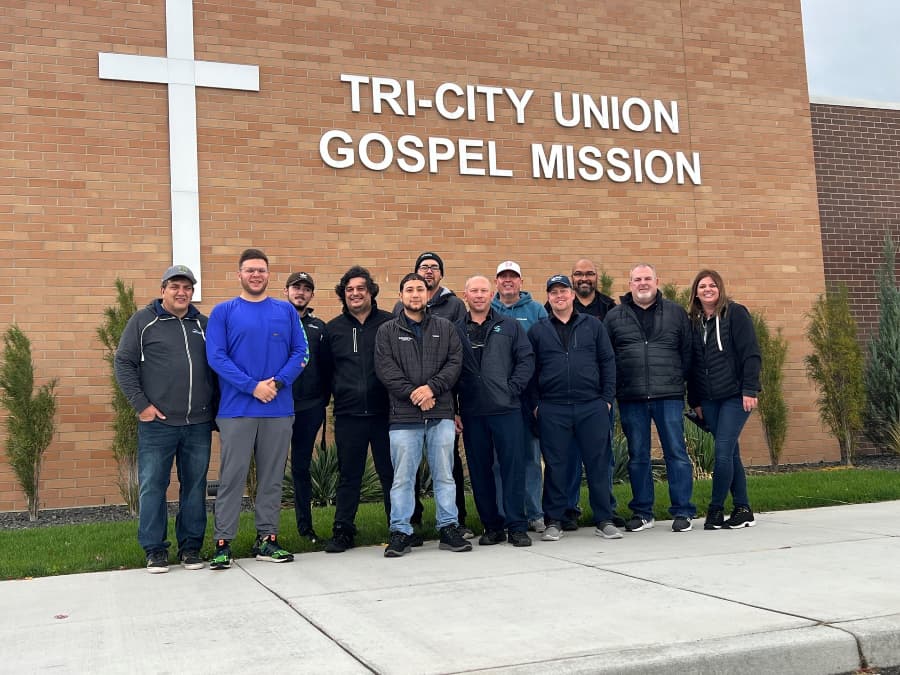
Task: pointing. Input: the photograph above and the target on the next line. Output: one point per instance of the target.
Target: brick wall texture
(857, 154)
(84, 195)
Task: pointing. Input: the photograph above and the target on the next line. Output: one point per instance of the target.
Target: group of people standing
(529, 387)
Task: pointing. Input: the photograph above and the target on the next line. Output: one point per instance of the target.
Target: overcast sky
(853, 48)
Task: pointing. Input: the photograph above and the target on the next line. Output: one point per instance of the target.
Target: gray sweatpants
(266, 438)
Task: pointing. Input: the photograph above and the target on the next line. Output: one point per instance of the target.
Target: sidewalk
(813, 591)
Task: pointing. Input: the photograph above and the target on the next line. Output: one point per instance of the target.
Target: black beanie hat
(428, 255)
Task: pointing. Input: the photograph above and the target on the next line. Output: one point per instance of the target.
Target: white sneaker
(552, 533)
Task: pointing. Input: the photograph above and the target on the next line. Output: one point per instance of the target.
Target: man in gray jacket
(418, 358)
(161, 367)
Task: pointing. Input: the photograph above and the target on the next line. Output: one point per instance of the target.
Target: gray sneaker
(553, 532)
(607, 530)
(537, 525)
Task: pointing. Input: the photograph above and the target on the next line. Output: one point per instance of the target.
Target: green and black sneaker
(222, 559)
(267, 548)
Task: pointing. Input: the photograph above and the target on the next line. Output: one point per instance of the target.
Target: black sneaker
(491, 537)
(340, 541)
(398, 546)
(682, 524)
(310, 535)
(416, 540)
(465, 532)
(742, 516)
(191, 560)
(569, 525)
(618, 520)
(715, 519)
(267, 549)
(638, 524)
(519, 539)
(158, 562)
(222, 559)
(451, 540)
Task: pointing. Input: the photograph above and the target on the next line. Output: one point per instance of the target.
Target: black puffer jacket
(349, 352)
(507, 363)
(727, 362)
(655, 368)
(402, 364)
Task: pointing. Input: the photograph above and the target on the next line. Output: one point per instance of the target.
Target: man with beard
(360, 400)
(257, 346)
(511, 300)
(418, 358)
(310, 399)
(652, 339)
(444, 303)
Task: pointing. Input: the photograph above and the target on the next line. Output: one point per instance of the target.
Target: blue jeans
(667, 414)
(534, 479)
(406, 454)
(726, 418)
(189, 447)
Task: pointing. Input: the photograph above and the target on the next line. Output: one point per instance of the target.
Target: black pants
(458, 478)
(303, 438)
(353, 435)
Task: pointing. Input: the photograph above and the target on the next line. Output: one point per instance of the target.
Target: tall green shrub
(682, 296)
(836, 367)
(30, 422)
(125, 421)
(605, 283)
(882, 412)
(773, 411)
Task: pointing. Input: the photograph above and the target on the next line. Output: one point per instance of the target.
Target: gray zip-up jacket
(161, 359)
(403, 363)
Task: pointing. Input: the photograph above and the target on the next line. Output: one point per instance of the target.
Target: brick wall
(84, 197)
(857, 154)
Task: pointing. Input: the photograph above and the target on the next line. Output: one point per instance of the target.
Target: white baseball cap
(509, 265)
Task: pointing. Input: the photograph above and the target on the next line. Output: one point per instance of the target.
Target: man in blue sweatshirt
(258, 347)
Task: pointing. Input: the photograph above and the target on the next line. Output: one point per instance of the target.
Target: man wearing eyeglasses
(258, 347)
(444, 303)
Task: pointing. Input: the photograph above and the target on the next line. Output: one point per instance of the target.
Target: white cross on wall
(183, 75)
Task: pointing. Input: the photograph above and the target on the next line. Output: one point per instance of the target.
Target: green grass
(68, 549)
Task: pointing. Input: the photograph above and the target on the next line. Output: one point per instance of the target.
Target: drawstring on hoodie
(718, 332)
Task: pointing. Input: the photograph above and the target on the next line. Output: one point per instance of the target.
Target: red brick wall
(857, 153)
(84, 194)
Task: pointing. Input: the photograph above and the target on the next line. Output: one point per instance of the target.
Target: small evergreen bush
(125, 421)
(773, 412)
(30, 422)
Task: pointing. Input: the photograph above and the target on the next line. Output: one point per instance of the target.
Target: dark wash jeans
(726, 418)
(189, 447)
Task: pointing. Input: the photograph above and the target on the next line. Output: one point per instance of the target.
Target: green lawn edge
(70, 549)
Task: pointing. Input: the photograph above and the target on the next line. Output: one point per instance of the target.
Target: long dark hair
(696, 311)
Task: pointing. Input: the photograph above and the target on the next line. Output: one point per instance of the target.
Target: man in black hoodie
(161, 367)
(360, 400)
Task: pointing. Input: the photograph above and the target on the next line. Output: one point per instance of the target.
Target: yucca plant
(324, 476)
(701, 447)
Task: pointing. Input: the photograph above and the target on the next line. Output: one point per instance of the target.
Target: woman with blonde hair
(722, 389)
